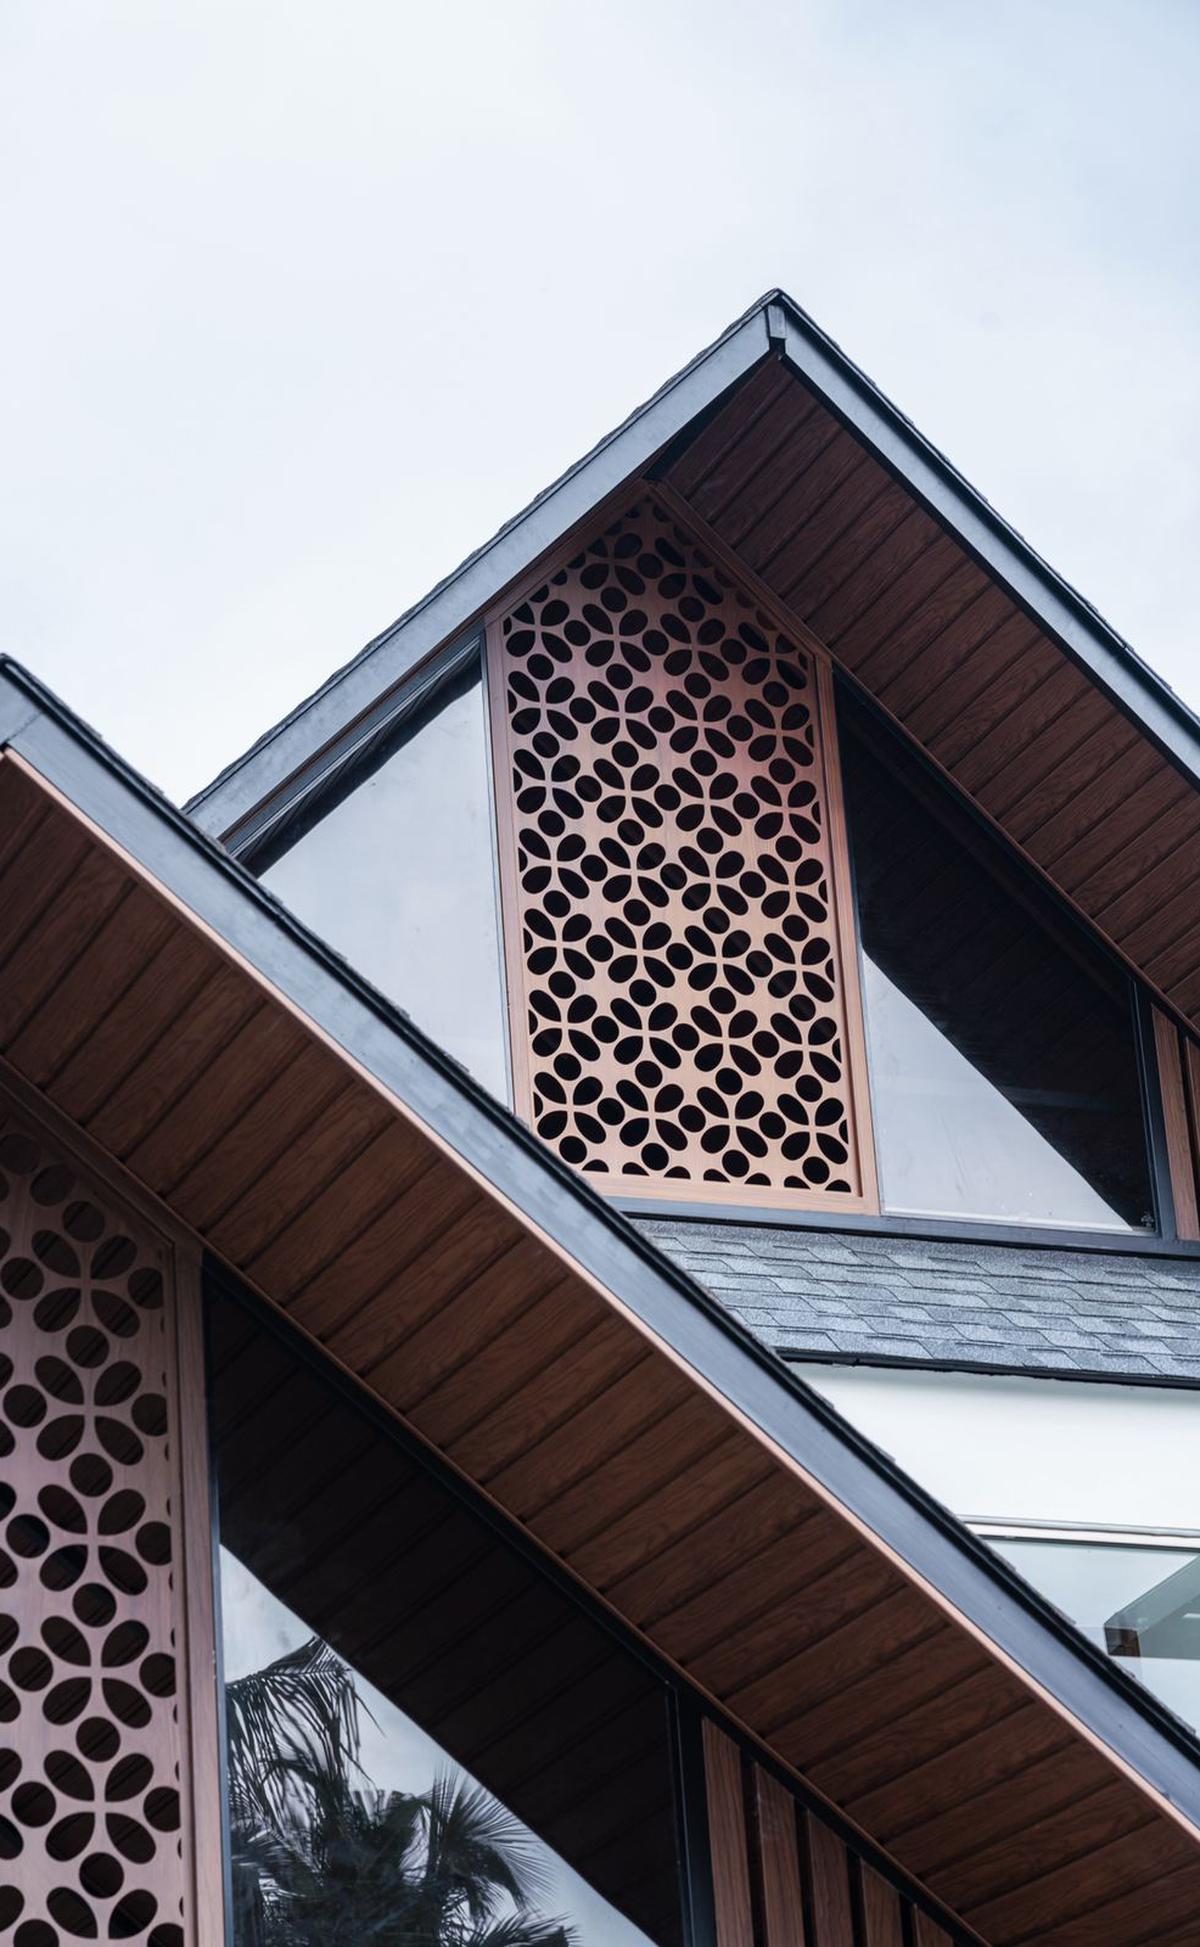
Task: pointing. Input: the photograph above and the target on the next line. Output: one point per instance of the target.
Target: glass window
(399, 876)
(1084, 1487)
(427, 1740)
(1004, 1075)
(1137, 1601)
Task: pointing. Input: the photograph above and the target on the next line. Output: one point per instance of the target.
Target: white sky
(302, 301)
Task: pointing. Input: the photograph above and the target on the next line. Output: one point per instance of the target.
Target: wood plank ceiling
(533, 1380)
(1025, 733)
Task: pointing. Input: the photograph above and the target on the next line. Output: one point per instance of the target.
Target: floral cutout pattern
(89, 1738)
(678, 953)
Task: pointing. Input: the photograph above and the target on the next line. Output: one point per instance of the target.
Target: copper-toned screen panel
(683, 1011)
(91, 1624)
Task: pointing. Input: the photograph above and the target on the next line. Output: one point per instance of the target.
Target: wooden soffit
(937, 639)
(355, 1177)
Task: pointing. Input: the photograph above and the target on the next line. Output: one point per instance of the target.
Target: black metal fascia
(450, 607)
(972, 1578)
(932, 479)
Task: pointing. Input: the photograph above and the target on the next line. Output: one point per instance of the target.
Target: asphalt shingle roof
(860, 1296)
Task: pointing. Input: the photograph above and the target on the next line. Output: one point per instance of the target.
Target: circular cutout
(61, 1636)
(68, 1838)
(127, 1640)
(30, 1668)
(87, 1346)
(153, 1543)
(101, 1875)
(162, 1809)
(66, 1774)
(65, 1701)
(98, 1740)
(91, 1474)
(132, 1914)
(35, 1933)
(94, 1605)
(126, 1575)
(128, 1778)
(122, 1511)
(64, 1566)
(27, 1536)
(158, 1675)
(24, 1406)
(21, 1278)
(130, 1838)
(33, 1803)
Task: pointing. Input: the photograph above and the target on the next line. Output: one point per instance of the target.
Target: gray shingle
(864, 1295)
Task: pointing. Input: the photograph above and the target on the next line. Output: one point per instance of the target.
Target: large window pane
(1140, 1604)
(1004, 1076)
(399, 877)
(428, 1741)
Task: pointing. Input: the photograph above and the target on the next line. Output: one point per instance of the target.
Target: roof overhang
(1007, 680)
(354, 1175)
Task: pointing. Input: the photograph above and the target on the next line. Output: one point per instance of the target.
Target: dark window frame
(686, 1707)
(361, 750)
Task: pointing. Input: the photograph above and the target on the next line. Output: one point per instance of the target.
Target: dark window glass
(428, 1741)
(399, 876)
(1004, 1075)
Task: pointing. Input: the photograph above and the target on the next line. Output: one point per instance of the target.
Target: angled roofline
(200, 875)
(775, 324)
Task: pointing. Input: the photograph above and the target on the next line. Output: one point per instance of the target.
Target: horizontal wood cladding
(1007, 714)
(579, 1424)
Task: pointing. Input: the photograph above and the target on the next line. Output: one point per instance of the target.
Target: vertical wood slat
(829, 1866)
(779, 1863)
(928, 1933)
(1181, 1157)
(727, 1839)
(881, 1911)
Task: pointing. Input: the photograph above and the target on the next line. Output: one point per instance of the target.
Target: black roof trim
(202, 876)
(775, 324)
(282, 751)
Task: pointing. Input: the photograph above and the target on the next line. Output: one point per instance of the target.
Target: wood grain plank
(872, 576)
(540, 1335)
(917, 606)
(368, 1177)
(953, 649)
(829, 1873)
(267, 1042)
(586, 1370)
(727, 1839)
(469, 1321)
(751, 403)
(1077, 759)
(1176, 1127)
(933, 1723)
(1085, 1825)
(779, 1863)
(741, 1531)
(820, 575)
(927, 1933)
(1017, 661)
(882, 1923)
(821, 525)
(820, 1603)
(48, 950)
(681, 1507)
(839, 464)
(864, 1710)
(230, 1162)
(739, 1610)
(737, 476)
(906, 1808)
(65, 1018)
(1094, 808)
(313, 1159)
(844, 1653)
(173, 1064)
(1139, 1860)
(656, 1455)
(758, 504)
(995, 1810)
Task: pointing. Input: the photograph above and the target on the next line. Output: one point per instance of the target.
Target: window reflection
(1140, 1604)
(1004, 1077)
(399, 877)
(428, 1741)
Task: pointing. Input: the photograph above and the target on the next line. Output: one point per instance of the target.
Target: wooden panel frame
(1179, 1082)
(200, 1844)
(841, 923)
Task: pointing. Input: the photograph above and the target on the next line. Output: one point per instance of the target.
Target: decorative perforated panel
(668, 868)
(90, 1618)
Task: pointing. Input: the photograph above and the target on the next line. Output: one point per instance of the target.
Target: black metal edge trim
(794, 1355)
(221, 806)
(958, 507)
(688, 1706)
(1135, 1243)
(609, 1249)
(348, 761)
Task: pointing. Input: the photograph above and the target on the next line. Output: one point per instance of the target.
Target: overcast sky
(302, 301)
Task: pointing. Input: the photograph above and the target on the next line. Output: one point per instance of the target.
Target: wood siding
(783, 1877)
(1000, 707)
(576, 1419)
